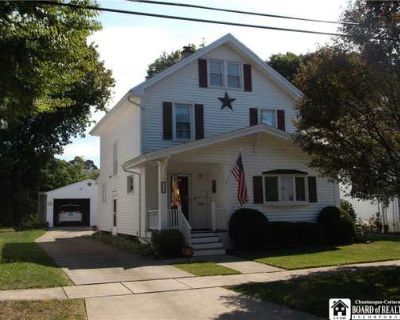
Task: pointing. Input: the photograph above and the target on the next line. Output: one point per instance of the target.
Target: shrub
(248, 229)
(348, 207)
(309, 233)
(283, 233)
(337, 225)
(168, 243)
(32, 221)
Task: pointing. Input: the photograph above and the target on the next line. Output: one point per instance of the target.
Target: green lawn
(23, 264)
(205, 269)
(311, 293)
(43, 310)
(329, 255)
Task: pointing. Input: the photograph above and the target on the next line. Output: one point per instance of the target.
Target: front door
(180, 194)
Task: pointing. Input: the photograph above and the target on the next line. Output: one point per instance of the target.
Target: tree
(64, 81)
(287, 64)
(57, 173)
(166, 60)
(350, 117)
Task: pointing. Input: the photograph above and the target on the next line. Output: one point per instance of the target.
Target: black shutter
(199, 121)
(281, 120)
(247, 77)
(258, 189)
(167, 120)
(253, 114)
(203, 83)
(312, 189)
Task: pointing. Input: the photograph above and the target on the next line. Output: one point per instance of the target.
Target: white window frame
(275, 117)
(190, 105)
(223, 73)
(240, 75)
(280, 201)
(128, 190)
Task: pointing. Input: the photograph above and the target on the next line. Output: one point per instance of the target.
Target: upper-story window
(183, 121)
(224, 73)
(268, 117)
(233, 74)
(216, 73)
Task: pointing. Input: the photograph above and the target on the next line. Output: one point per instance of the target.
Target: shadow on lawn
(25, 252)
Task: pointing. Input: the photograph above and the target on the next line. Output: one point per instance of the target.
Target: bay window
(286, 188)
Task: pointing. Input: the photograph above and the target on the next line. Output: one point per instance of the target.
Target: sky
(128, 43)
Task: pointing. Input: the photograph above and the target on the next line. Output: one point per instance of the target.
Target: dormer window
(216, 73)
(233, 70)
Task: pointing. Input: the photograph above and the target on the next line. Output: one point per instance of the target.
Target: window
(183, 128)
(268, 117)
(130, 184)
(114, 212)
(233, 71)
(285, 188)
(104, 192)
(216, 73)
(115, 159)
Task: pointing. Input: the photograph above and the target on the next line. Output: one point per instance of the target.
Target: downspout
(139, 175)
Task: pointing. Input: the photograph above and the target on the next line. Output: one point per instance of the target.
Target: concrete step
(210, 245)
(209, 252)
(203, 234)
(205, 239)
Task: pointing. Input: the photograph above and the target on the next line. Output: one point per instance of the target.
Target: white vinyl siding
(104, 193)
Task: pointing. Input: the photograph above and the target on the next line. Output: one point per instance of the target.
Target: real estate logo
(339, 309)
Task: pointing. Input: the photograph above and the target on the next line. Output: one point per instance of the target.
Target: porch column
(162, 193)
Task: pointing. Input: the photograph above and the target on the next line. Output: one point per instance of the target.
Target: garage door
(71, 212)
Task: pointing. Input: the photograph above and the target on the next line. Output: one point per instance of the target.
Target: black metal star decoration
(226, 101)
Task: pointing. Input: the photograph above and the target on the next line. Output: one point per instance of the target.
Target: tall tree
(63, 77)
(350, 117)
(287, 64)
(166, 60)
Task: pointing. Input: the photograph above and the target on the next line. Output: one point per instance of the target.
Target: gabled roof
(281, 81)
(93, 182)
(277, 78)
(189, 146)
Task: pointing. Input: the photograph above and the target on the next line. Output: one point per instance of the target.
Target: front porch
(189, 196)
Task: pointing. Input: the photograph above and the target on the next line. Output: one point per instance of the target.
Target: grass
(23, 264)
(43, 310)
(298, 258)
(205, 268)
(311, 293)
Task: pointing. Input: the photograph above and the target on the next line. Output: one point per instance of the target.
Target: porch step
(206, 243)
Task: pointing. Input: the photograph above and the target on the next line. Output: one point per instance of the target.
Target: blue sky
(128, 44)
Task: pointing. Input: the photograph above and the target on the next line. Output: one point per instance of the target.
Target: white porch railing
(153, 220)
(176, 220)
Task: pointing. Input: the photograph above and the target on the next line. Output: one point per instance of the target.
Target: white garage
(73, 204)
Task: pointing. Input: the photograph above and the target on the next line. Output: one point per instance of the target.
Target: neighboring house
(387, 212)
(73, 204)
(168, 146)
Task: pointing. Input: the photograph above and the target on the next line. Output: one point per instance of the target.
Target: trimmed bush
(168, 243)
(337, 225)
(309, 233)
(283, 233)
(248, 229)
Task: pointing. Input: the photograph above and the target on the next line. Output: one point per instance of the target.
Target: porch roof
(166, 152)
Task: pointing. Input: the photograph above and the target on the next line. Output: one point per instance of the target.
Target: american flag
(238, 173)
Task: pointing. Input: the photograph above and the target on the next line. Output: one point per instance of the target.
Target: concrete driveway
(87, 261)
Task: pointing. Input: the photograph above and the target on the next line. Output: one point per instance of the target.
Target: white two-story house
(169, 145)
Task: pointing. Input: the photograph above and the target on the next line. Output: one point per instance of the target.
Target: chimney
(186, 52)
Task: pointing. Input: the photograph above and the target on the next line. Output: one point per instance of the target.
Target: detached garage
(72, 205)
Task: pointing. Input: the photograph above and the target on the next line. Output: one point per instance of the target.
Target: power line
(77, 6)
(175, 4)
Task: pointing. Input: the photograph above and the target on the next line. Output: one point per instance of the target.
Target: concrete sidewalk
(167, 284)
